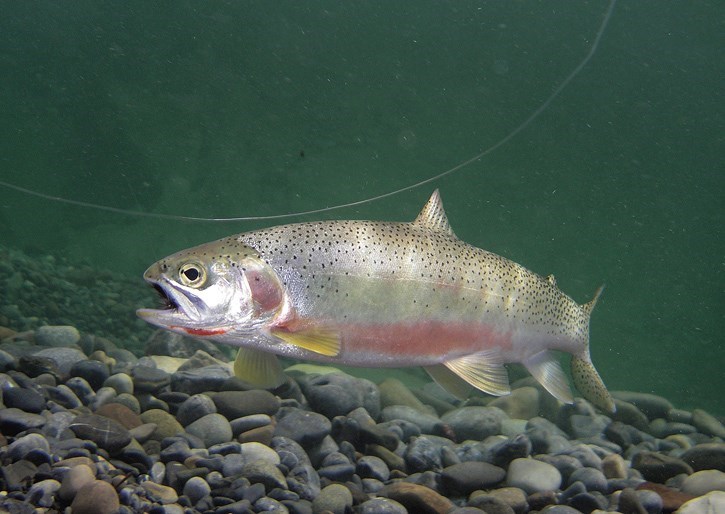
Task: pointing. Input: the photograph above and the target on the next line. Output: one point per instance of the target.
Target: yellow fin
(258, 368)
(483, 370)
(449, 381)
(319, 340)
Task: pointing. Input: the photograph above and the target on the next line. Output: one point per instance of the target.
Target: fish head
(221, 290)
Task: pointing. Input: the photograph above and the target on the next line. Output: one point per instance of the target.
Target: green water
(261, 108)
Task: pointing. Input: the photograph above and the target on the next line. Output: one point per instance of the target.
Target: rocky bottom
(89, 428)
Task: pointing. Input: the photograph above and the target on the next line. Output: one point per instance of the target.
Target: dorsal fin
(433, 216)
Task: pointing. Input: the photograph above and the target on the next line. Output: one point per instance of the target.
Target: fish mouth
(167, 302)
(175, 307)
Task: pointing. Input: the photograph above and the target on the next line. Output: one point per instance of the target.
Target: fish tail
(586, 378)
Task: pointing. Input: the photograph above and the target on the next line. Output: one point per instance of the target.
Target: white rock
(533, 476)
(257, 451)
(711, 503)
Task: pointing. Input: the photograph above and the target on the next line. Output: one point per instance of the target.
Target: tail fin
(586, 379)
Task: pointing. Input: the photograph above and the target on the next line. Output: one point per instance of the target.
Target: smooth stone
(486, 503)
(97, 497)
(518, 446)
(424, 453)
(533, 476)
(42, 494)
(195, 407)
(196, 488)
(713, 502)
(65, 396)
(94, 372)
(582, 427)
(307, 428)
(19, 448)
(661, 428)
(417, 498)
(381, 506)
(57, 335)
(120, 382)
(651, 405)
(657, 467)
(593, 479)
(614, 466)
(166, 424)
(16, 475)
(426, 422)
(336, 394)
(707, 423)
(304, 481)
(559, 509)
(370, 466)
(106, 433)
(238, 404)
(475, 423)
(63, 358)
(625, 435)
(149, 380)
(392, 460)
(700, 457)
(14, 420)
(200, 380)
(337, 472)
(335, 498)
(466, 477)
(129, 401)
(75, 479)
(511, 496)
(262, 435)
(544, 435)
(394, 392)
(703, 482)
(264, 473)
(159, 493)
(588, 502)
(522, 403)
(28, 400)
(120, 414)
(650, 501)
(212, 429)
(259, 452)
(250, 422)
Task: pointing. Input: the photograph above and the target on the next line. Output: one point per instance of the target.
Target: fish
(378, 294)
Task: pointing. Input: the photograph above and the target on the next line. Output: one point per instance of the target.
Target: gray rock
(335, 498)
(200, 380)
(336, 394)
(28, 400)
(515, 447)
(307, 428)
(511, 496)
(381, 506)
(710, 503)
(196, 488)
(427, 423)
(588, 426)
(707, 423)
(304, 481)
(63, 358)
(106, 433)
(149, 380)
(370, 466)
(533, 476)
(97, 497)
(42, 494)
(476, 423)
(237, 404)
(291, 454)
(13, 421)
(195, 407)
(522, 403)
(651, 405)
(593, 479)
(466, 477)
(657, 467)
(702, 456)
(57, 335)
(488, 504)
(120, 382)
(74, 479)
(19, 448)
(264, 473)
(662, 428)
(250, 422)
(259, 452)
(424, 453)
(94, 372)
(212, 429)
(629, 414)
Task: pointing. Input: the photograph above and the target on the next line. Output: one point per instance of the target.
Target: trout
(377, 294)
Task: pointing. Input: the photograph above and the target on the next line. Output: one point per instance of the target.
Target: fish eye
(192, 274)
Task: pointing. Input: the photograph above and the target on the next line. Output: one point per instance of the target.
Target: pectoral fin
(319, 340)
(483, 370)
(547, 370)
(259, 368)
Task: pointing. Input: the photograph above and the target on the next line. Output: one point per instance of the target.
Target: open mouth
(167, 303)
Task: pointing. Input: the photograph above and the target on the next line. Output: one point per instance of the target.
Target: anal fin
(483, 370)
(547, 371)
(318, 340)
(449, 381)
(261, 369)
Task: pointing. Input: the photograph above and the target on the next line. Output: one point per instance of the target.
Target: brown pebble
(258, 435)
(120, 413)
(97, 497)
(417, 498)
(671, 498)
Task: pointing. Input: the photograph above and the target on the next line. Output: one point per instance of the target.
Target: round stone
(97, 497)
(196, 488)
(166, 424)
(28, 400)
(475, 423)
(533, 476)
(259, 452)
(237, 404)
(94, 372)
(335, 498)
(106, 433)
(121, 382)
(57, 335)
(466, 477)
(702, 482)
(381, 506)
(75, 478)
(307, 428)
(19, 448)
(212, 429)
(195, 407)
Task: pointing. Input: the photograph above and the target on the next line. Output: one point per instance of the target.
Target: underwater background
(232, 109)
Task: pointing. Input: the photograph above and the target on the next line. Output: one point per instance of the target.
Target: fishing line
(535, 114)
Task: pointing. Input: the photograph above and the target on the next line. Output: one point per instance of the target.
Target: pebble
(158, 492)
(14, 420)
(703, 482)
(166, 424)
(381, 506)
(305, 427)
(42, 494)
(336, 394)
(28, 400)
(238, 404)
(335, 498)
(75, 479)
(707, 423)
(120, 382)
(488, 504)
(200, 380)
(105, 432)
(522, 403)
(195, 407)
(466, 477)
(212, 429)
(657, 467)
(57, 335)
(94, 372)
(533, 476)
(417, 498)
(97, 497)
(651, 405)
(701, 456)
(713, 502)
(426, 422)
(475, 423)
(259, 452)
(196, 488)
(264, 473)
(20, 448)
(147, 379)
(62, 358)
